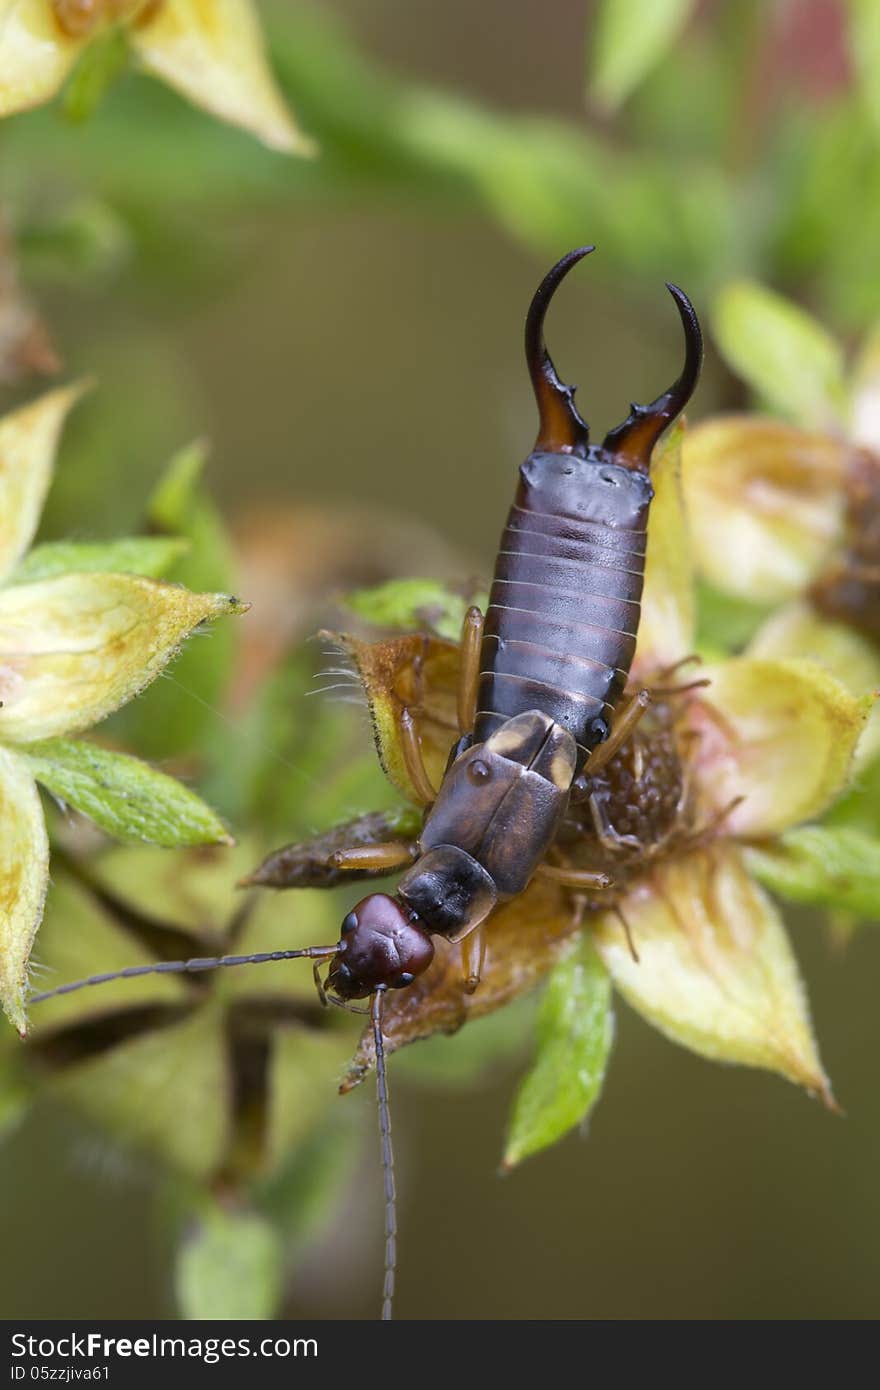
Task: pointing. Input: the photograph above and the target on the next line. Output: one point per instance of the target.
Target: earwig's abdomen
(560, 629)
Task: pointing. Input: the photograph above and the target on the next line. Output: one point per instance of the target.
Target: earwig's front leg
(413, 760)
(391, 855)
(607, 836)
(471, 646)
(473, 958)
(624, 724)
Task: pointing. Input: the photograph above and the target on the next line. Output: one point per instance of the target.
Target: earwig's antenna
(387, 1157)
(632, 442)
(186, 967)
(562, 430)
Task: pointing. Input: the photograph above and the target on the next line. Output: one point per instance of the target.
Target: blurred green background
(347, 334)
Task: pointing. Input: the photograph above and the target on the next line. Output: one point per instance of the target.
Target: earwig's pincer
(562, 429)
(631, 443)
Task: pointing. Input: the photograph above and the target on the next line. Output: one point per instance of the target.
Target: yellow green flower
(211, 51)
(786, 511)
(83, 628)
(732, 758)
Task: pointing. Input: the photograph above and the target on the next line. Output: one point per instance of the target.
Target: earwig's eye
(404, 979)
(349, 923)
(478, 771)
(599, 730)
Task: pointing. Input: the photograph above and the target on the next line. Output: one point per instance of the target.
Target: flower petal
(24, 876)
(73, 649)
(524, 940)
(779, 734)
(865, 405)
(666, 628)
(784, 354)
(212, 52)
(766, 504)
(35, 54)
(796, 631)
(28, 439)
(418, 673)
(715, 971)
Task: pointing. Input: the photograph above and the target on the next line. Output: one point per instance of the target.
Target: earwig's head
(562, 430)
(383, 944)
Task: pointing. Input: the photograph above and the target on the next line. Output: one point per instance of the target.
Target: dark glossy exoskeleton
(539, 706)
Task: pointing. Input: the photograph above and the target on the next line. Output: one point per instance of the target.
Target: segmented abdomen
(560, 629)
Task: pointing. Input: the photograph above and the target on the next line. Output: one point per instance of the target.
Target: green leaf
(151, 556)
(14, 1092)
(124, 796)
(630, 39)
(864, 42)
(101, 63)
(834, 867)
(574, 1036)
(302, 1198)
(859, 807)
(229, 1267)
(783, 353)
(420, 604)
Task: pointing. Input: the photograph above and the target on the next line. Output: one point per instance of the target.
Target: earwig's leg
(391, 855)
(471, 643)
(319, 984)
(669, 691)
(575, 878)
(473, 958)
(627, 931)
(412, 757)
(343, 1004)
(309, 863)
(606, 834)
(624, 724)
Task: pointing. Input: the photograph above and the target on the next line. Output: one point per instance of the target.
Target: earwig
(539, 712)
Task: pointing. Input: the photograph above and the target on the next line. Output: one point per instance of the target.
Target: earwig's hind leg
(394, 854)
(624, 724)
(607, 836)
(413, 760)
(473, 958)
(471, 645)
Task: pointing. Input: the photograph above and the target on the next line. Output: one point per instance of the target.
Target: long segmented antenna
(387, 1158)
(632, 442)
(186, 967)
(562, 430)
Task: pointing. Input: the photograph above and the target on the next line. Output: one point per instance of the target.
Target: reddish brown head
(383, 945)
